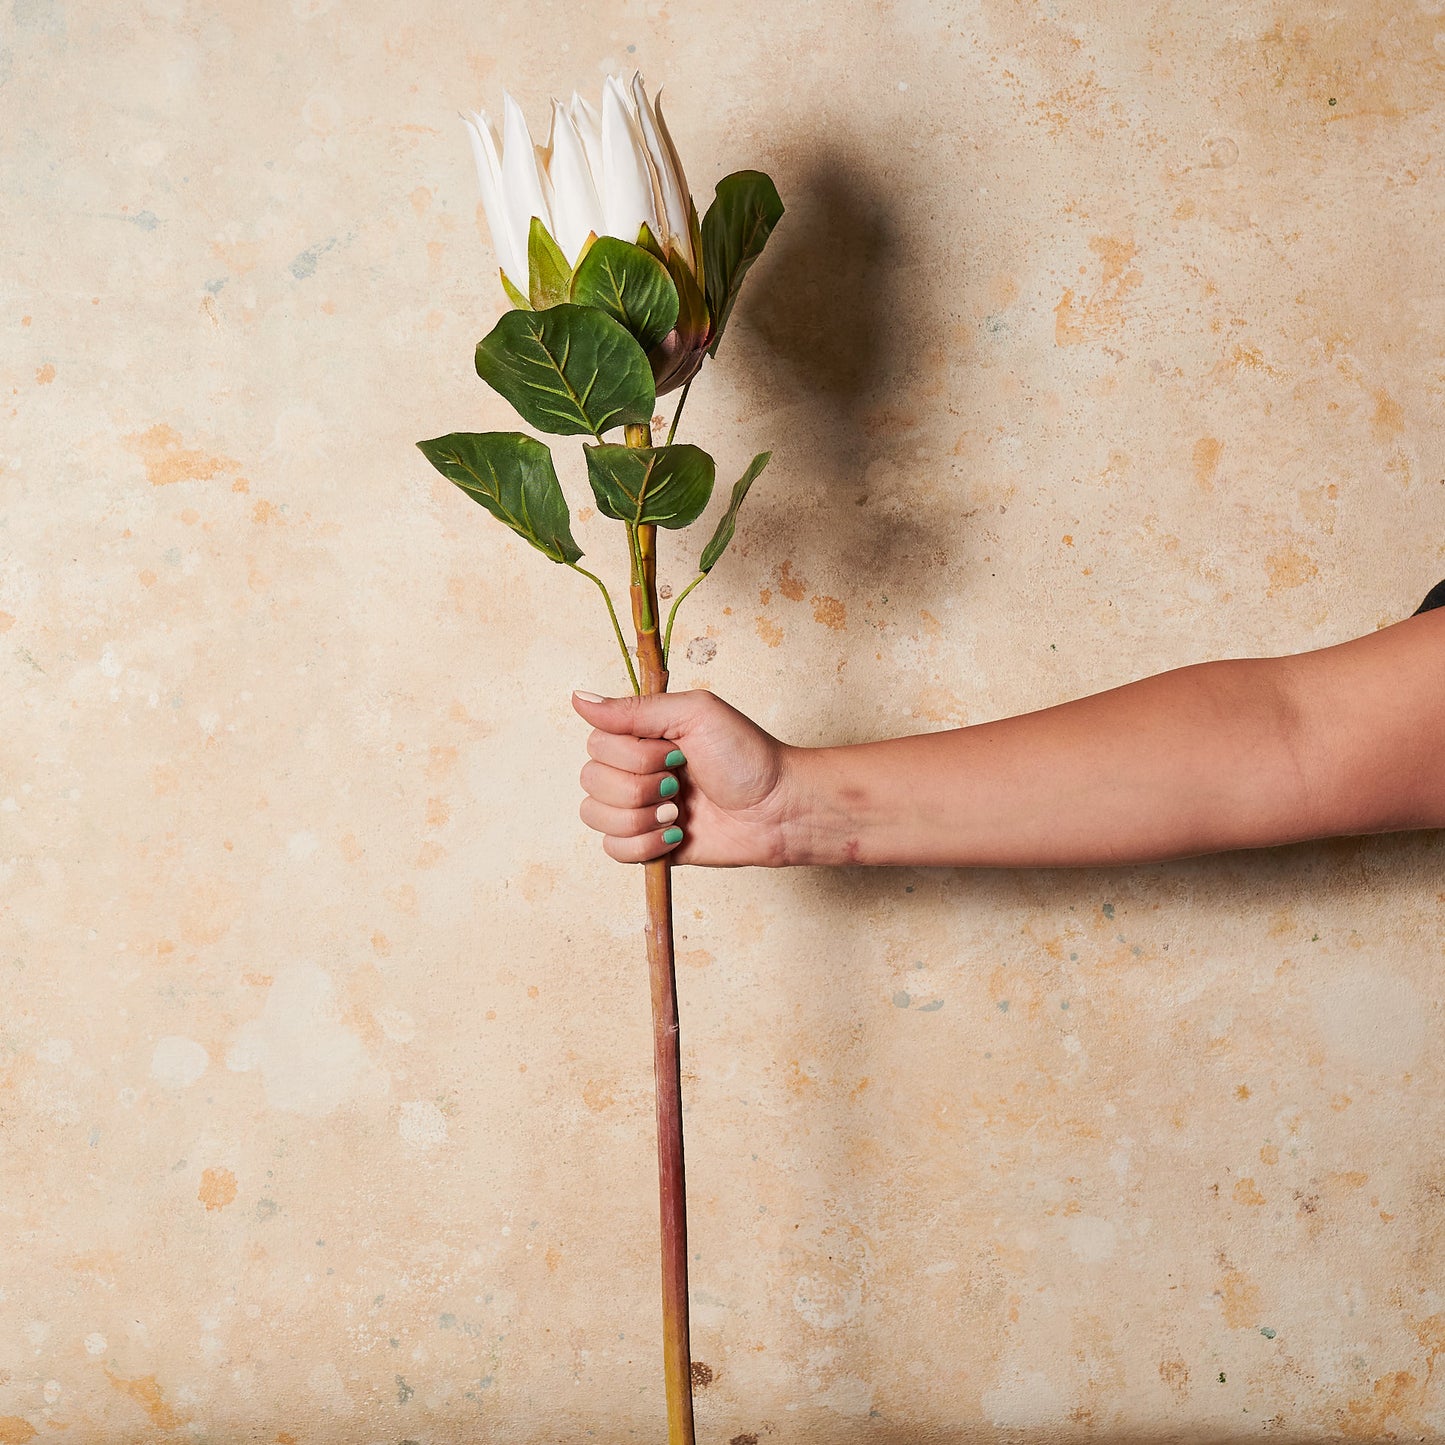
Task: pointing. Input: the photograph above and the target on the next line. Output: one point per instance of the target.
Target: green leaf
(512, 476)
(692, 305)
(630, 286)
(568, 369)
(665, 486)
(513, 295)
(727, 524)
(736, 228)
(648, 242)
(547, 270)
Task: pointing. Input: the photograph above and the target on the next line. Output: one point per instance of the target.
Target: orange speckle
(1289, 567)
(553, 1258)
(44, 375)
(437, 812)
(1068, 539)
(1242, 1092)
(258, 980)
(1395, 1397)
(351, 848)
(596, 1096)
(7, 621)
(1246, 1193)
(164, 779)
(696, 958)
(218, 1188)
(190, 516)
(1087, 318)
(240, 485)
(765, 596)
(146, 578)
(1207, 451)
(1185, 210)
(1269, 1154)
(166, 460)
(283, 1438)
(164, 946)
(147, 1394)
(532, 990)
(1239, 1300)
(403, 898)
(1389, 418)
(26, 320)
(421, 199)
(790, 586)
(429, 855)
(15, 1429)
(263, 512)
(769, 631)
(380, 944)
(830, 612)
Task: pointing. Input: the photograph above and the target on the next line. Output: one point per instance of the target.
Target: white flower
(606, 175)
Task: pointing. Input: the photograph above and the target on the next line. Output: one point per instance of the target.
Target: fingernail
(674, 759)
(667, 813)
(589, 696)
(673, 835)
(668, 787)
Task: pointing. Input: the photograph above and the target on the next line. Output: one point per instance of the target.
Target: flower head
(606, 174)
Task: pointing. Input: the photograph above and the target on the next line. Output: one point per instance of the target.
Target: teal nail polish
(668, 787)
(673, 835)
(674, 759)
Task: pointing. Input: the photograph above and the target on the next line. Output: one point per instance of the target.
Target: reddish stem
(667, 1065)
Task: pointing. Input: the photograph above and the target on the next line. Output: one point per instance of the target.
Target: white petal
(671, 182)
(575, 206)
(519, 179)
(627, 185)
(675, 162)
(494, 203)
(589, 127)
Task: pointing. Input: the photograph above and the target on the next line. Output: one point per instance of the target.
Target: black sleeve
(1434, 598)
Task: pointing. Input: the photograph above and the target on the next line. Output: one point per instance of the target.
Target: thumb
(661, 715)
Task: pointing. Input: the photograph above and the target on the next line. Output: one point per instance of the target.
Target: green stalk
(616, 626)
(672, 613)
(681, 402)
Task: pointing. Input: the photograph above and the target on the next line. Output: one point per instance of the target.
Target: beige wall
(1096, 340)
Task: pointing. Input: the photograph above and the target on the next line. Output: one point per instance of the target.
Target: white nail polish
(667, 813)
(589, 696)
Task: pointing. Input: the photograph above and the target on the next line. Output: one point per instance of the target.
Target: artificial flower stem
(666, 1057)
(672, 614)
(681, 402)
(616, 625)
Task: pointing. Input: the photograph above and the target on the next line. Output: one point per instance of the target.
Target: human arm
(1217, 756)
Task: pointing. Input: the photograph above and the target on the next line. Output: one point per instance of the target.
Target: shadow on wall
(846, 303)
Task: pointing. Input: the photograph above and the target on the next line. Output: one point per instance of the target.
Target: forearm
(1198, 760)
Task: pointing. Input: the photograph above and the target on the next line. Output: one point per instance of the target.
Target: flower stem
(666, 1057)
(681, 402)
(616, 626)
(672, 614)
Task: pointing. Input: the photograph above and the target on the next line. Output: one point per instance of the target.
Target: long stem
(666, 1057)
(681, 402)
(616, 625)
(672, 613)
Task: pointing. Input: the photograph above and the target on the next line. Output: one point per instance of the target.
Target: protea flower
(615, 174)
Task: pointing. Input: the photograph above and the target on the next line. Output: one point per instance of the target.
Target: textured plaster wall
(1096, 340)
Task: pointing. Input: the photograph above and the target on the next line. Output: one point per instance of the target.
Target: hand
(729, 802)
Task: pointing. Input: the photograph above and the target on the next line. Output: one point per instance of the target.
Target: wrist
(812, 828)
